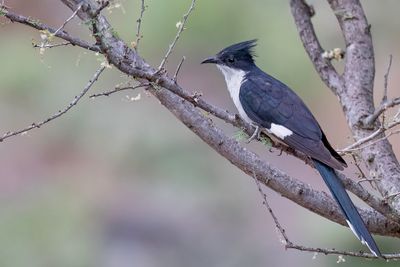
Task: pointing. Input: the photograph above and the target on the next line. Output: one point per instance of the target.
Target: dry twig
(139, 35)
(181, 28)
(60, 112)
(178, 68)
(68, 20)
(385, 104)
(119, 89)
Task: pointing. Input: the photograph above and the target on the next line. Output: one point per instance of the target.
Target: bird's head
(237, 56)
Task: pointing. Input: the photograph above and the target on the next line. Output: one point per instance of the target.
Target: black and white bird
(270, 105)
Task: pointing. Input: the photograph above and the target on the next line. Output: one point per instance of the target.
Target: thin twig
(385, 103)
(358, 166)
(361, 141)
(59, 113)
(68, 20)
(119, 89)
(178, 68)
(367, 180)
(386, 77)
(357, 145)
(377, 140)
(51, 45)
(278, 226)
(139, 36)
(181, 28)
(362, 174)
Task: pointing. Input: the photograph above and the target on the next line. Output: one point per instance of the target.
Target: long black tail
(353, 218)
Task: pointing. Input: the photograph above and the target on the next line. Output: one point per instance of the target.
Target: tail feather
(353, 218)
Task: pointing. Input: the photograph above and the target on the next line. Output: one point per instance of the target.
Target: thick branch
(357, 96)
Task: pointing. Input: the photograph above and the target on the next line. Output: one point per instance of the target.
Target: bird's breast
(234, 79)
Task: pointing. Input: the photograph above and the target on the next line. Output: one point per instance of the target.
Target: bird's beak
(212, 59)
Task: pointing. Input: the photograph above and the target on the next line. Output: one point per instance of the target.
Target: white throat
(234, 79)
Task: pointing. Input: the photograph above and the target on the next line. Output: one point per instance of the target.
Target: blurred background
(117, 182)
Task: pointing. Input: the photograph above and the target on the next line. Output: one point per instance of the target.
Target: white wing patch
(280, 131)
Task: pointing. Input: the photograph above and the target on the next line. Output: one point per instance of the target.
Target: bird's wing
(274, 106)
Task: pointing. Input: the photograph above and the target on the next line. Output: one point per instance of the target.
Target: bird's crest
(241, 50)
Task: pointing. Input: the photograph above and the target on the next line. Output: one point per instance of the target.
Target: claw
(255, 135)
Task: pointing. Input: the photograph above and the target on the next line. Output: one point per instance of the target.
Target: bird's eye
(231, 59)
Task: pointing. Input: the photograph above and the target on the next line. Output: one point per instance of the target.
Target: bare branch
(181, 28)
(68, 20)
(50, 45)
(381, 109)
(357, 145)
(386, 77)
(385, 104)
(178, 68)
(283, 236)
(119, 89)
(40, 26)
(59, 113)
(139, 21)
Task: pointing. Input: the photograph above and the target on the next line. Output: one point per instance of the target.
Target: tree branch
(357, 96)
(40, 26)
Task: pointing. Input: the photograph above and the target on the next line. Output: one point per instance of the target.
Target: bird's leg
(255, 135)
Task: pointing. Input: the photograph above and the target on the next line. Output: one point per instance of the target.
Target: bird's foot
(255, 135)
